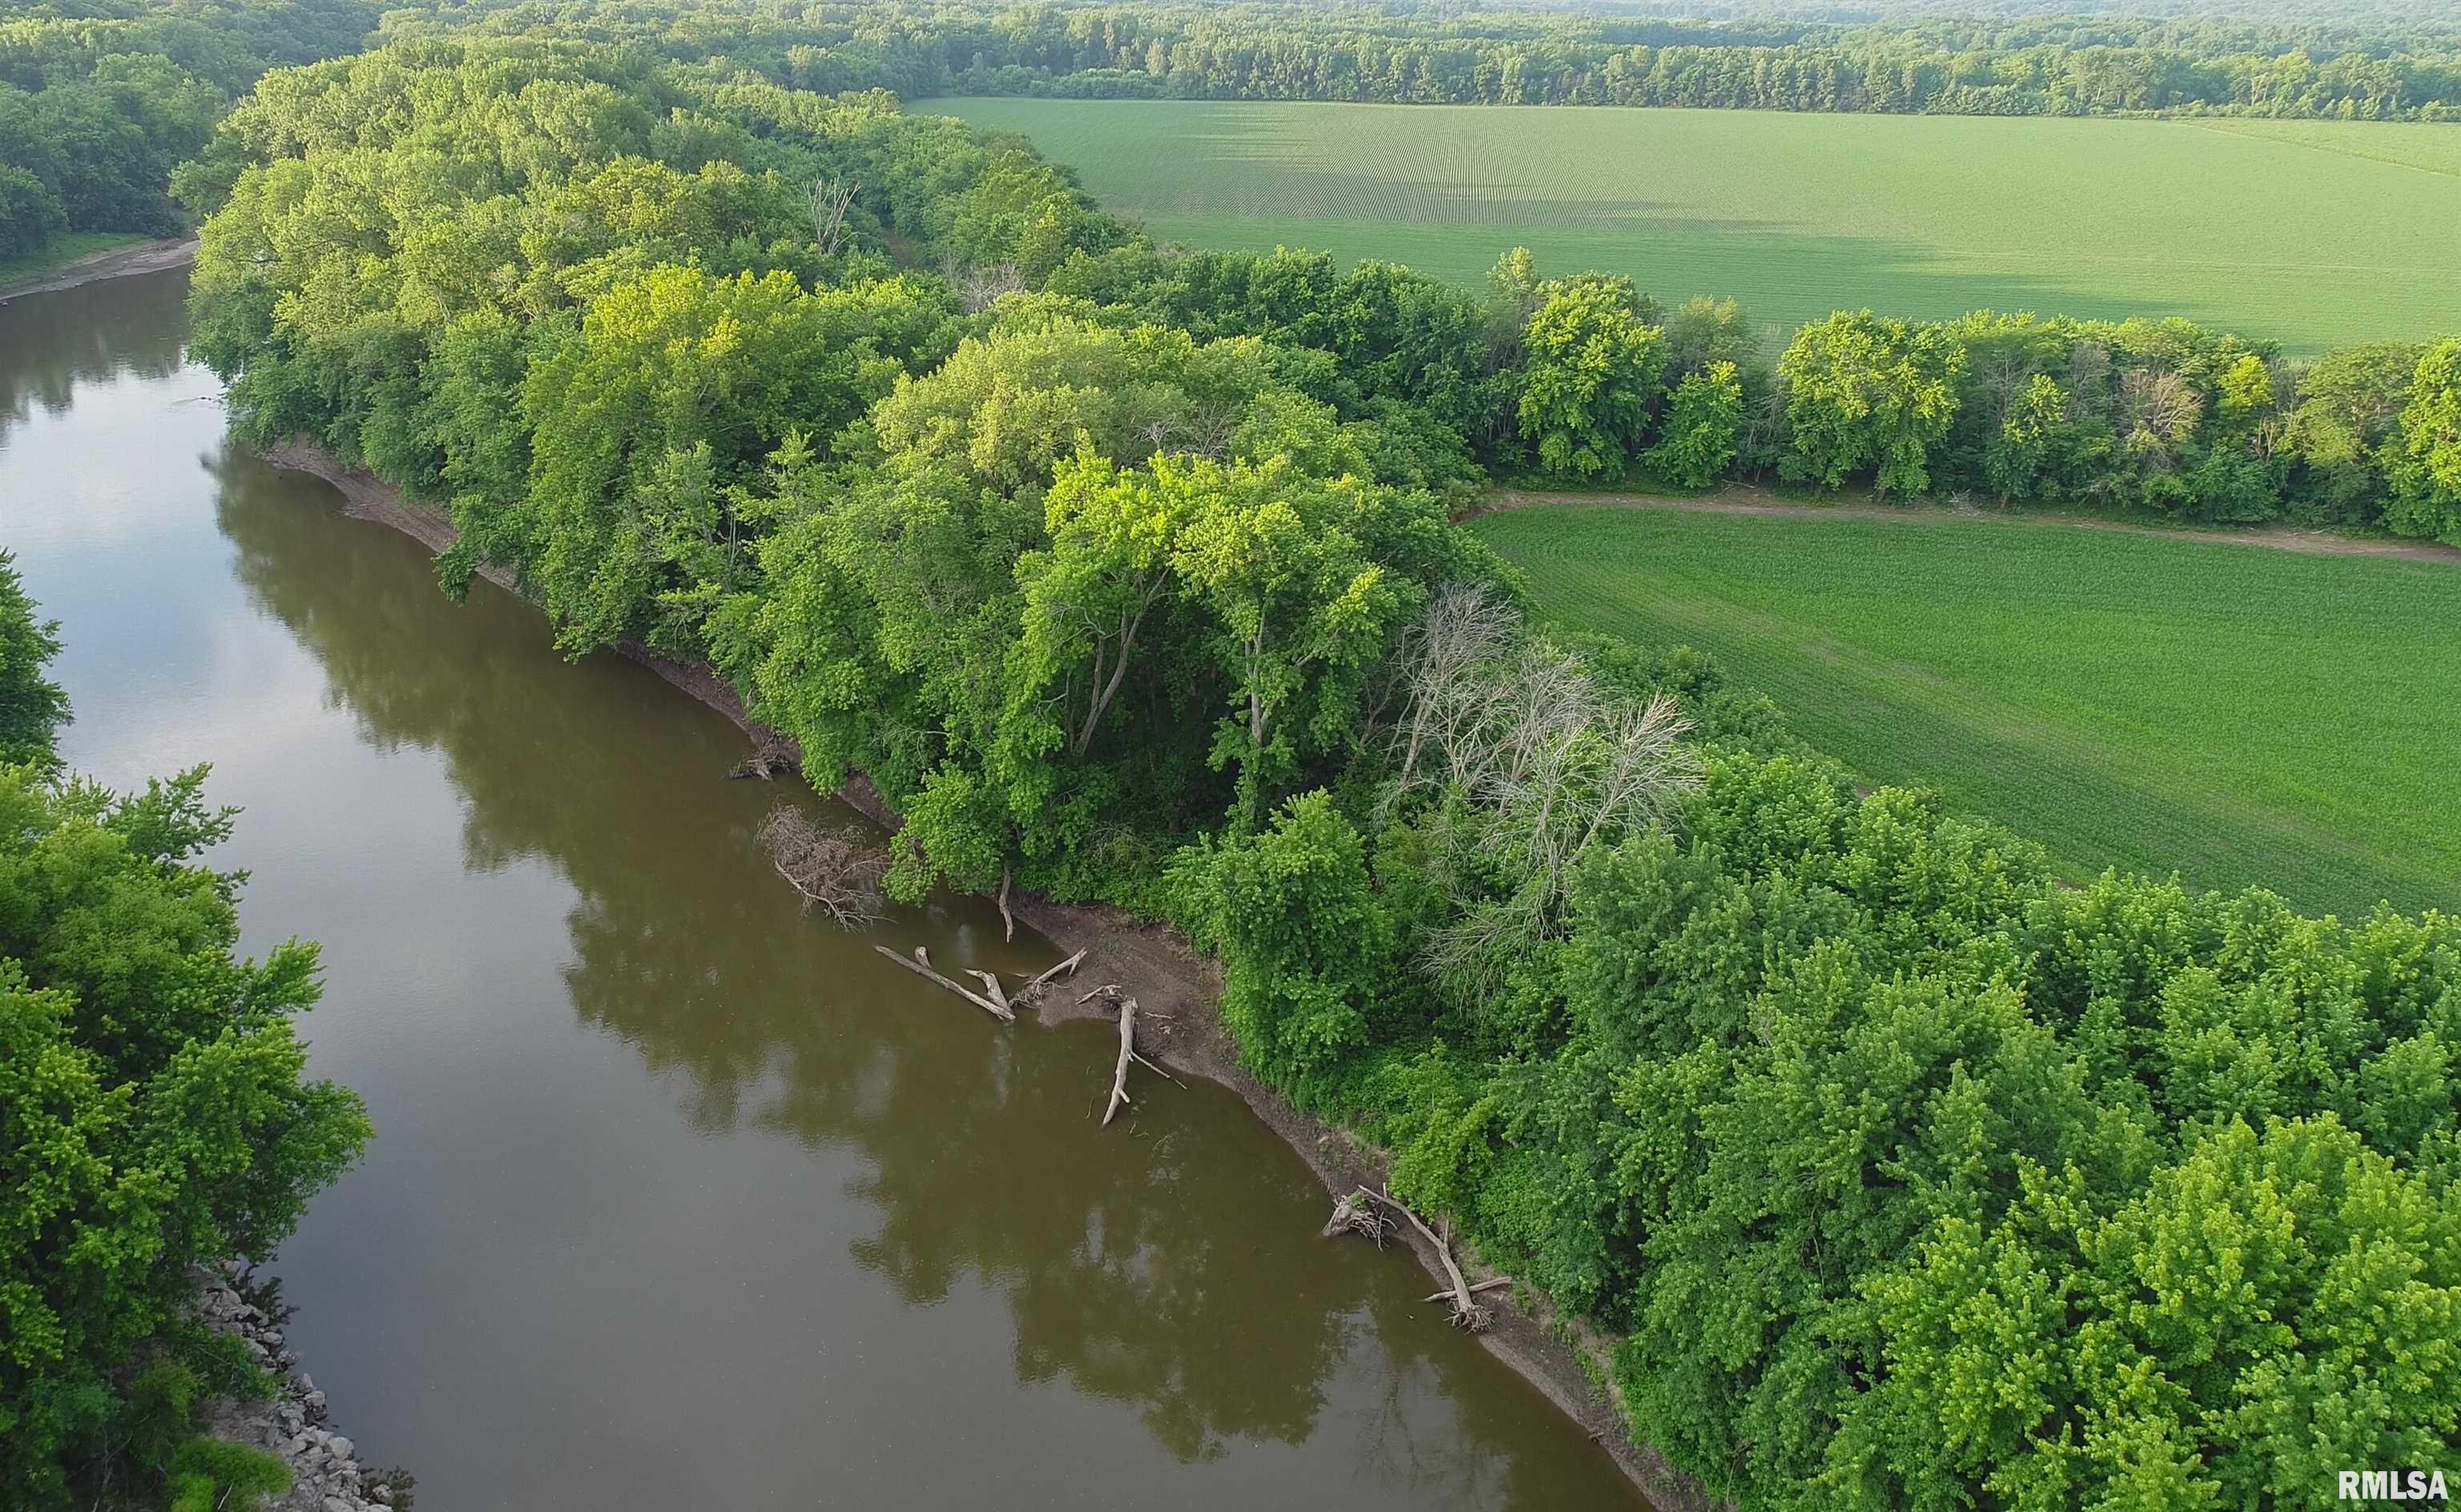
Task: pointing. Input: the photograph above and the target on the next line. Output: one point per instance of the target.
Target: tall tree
(2422, 459)
(1591, 375)
(31, 705)
(1869, 391)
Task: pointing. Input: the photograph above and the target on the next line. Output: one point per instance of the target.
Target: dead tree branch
(1352, 1216)
(830, 198)
(1467, 1312)
(921, 966)
(992, 990)
(1039, 981)
(1158, 1071)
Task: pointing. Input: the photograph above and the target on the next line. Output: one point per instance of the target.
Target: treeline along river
(681, 1198)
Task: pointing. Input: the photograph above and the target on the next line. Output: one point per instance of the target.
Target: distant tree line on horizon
(2395, 68)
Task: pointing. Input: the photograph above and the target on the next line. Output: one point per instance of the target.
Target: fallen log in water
(1127, 1053)
(1466, 1311)
(992, 990)
(921, 966)
(1120, 1098)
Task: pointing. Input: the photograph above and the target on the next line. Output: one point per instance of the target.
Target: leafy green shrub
(1306, 946)
(209, 1474)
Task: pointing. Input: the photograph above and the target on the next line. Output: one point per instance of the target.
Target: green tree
(2013, 458)
(31, 705)
(1305, 944)
(31, 215)
(1298, 605)
(1867, 391)
(2349, 405)
(670, 392)
(2423, 458)
(153, 1114)
(1698, 440)
(1591, 375)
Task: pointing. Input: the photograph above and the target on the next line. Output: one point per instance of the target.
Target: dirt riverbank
(1178, 1023)
(118, 262)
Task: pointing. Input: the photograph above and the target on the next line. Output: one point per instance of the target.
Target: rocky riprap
(326, 1475)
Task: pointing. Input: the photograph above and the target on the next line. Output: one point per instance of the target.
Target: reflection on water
(50, 343)
(681, 1198)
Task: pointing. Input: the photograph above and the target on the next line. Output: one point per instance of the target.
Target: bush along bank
(1903, 1174)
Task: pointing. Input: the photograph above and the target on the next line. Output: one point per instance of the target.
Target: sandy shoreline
(1181, 1023)
(118, 262)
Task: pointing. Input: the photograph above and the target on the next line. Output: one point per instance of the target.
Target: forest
(1903, 1173)
(2404, 64)
(98, 102)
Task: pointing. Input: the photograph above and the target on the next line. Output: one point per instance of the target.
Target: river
(681, 1198)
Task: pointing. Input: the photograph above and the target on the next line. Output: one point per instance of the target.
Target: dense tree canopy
(99, 103)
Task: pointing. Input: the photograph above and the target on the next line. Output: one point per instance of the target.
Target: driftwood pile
(835, 873)
(1002, 1006)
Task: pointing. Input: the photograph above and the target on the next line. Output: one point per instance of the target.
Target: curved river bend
(681, 1198)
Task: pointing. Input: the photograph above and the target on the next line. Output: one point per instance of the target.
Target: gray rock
(337, 1504)
(341, 1447)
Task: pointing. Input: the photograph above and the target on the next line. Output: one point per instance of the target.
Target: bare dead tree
(1463, 628)
(831, 871)
(831, 198)
(2160, 410)
(1528, 761)
(980, 288)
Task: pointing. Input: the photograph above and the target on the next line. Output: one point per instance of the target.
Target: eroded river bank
(680, 1197)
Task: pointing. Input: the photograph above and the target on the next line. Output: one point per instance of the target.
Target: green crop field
(2313, 233)
(2241, 714)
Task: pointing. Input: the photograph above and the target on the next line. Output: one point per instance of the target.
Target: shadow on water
(1171, 1266)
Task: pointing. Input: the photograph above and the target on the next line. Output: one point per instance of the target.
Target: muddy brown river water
(681, 1198)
